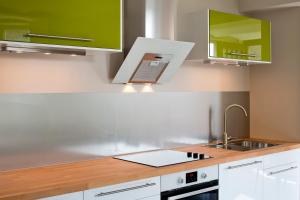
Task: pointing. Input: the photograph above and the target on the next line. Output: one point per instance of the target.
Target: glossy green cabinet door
(92, 23)
(239, 37)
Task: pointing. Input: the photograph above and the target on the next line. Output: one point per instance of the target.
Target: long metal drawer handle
(181, 196)
(283, 170)
(124, 190)
(57, 37)
(242, 54)
(244, 165)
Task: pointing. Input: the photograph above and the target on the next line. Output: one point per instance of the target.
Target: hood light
(43, 50)
(147, 88)
(128, 88)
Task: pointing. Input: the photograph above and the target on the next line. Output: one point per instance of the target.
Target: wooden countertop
(28, 184)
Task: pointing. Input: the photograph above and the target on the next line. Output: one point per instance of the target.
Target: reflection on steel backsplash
(42, 129)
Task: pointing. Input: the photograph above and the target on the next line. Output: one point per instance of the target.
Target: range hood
(152, 54)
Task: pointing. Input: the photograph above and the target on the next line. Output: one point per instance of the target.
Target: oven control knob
(180, 180)
(203, 175)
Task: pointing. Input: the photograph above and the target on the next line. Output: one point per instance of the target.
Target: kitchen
(76, 101)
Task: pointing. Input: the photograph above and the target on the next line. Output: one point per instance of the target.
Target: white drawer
(281, 158)
(70, 196)
(126, 191)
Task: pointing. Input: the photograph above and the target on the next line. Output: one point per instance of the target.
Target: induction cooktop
(163, 158)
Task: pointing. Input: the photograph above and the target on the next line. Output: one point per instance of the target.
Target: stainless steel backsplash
(42, 129)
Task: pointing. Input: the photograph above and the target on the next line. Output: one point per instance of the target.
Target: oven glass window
(202, 191)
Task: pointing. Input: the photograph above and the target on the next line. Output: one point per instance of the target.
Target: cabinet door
(239, 37)
(93, 23)
(282, 182)
(241, 180)
(71, 196)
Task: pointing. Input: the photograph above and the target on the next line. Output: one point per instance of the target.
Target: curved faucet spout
(225, 137)
(236, 106)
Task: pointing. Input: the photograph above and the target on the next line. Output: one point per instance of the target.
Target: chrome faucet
(225, 136)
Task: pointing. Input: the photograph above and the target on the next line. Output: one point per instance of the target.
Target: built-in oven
(201, 184)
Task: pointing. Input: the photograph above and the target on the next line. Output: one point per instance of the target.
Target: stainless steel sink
(243, 145)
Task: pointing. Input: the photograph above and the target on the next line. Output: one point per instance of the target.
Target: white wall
(52, 73)
(275, 88)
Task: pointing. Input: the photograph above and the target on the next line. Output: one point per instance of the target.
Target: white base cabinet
(157, 197)
(70, 196)
(281, 176)
(146, 189)
(241, 180)
(282, 182)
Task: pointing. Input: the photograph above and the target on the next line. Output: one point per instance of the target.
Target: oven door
(206, 191)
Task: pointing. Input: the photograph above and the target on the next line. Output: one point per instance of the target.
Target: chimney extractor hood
(152, 54)
(152, 61)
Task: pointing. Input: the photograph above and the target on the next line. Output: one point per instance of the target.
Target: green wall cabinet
(225, 38)
(238, 37)
(93, 24)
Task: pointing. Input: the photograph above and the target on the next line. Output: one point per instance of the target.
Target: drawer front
(130, 191)
(239, 37)
(95, 23)
(71, 196)
(281, 158)
(239, 164)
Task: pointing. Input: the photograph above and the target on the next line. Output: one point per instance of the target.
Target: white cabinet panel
(126, 191)
(282, 158)
(157, 197)
(70, 196)
(282, 182)
(241, 180)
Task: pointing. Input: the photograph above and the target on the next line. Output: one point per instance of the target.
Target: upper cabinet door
(239, 37)
(91, 24)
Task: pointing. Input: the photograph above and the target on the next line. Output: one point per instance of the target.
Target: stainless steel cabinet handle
(241, 54)
(181, 196)
(283, 170)
(57, 37)
(244, 165)
(124, 190)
